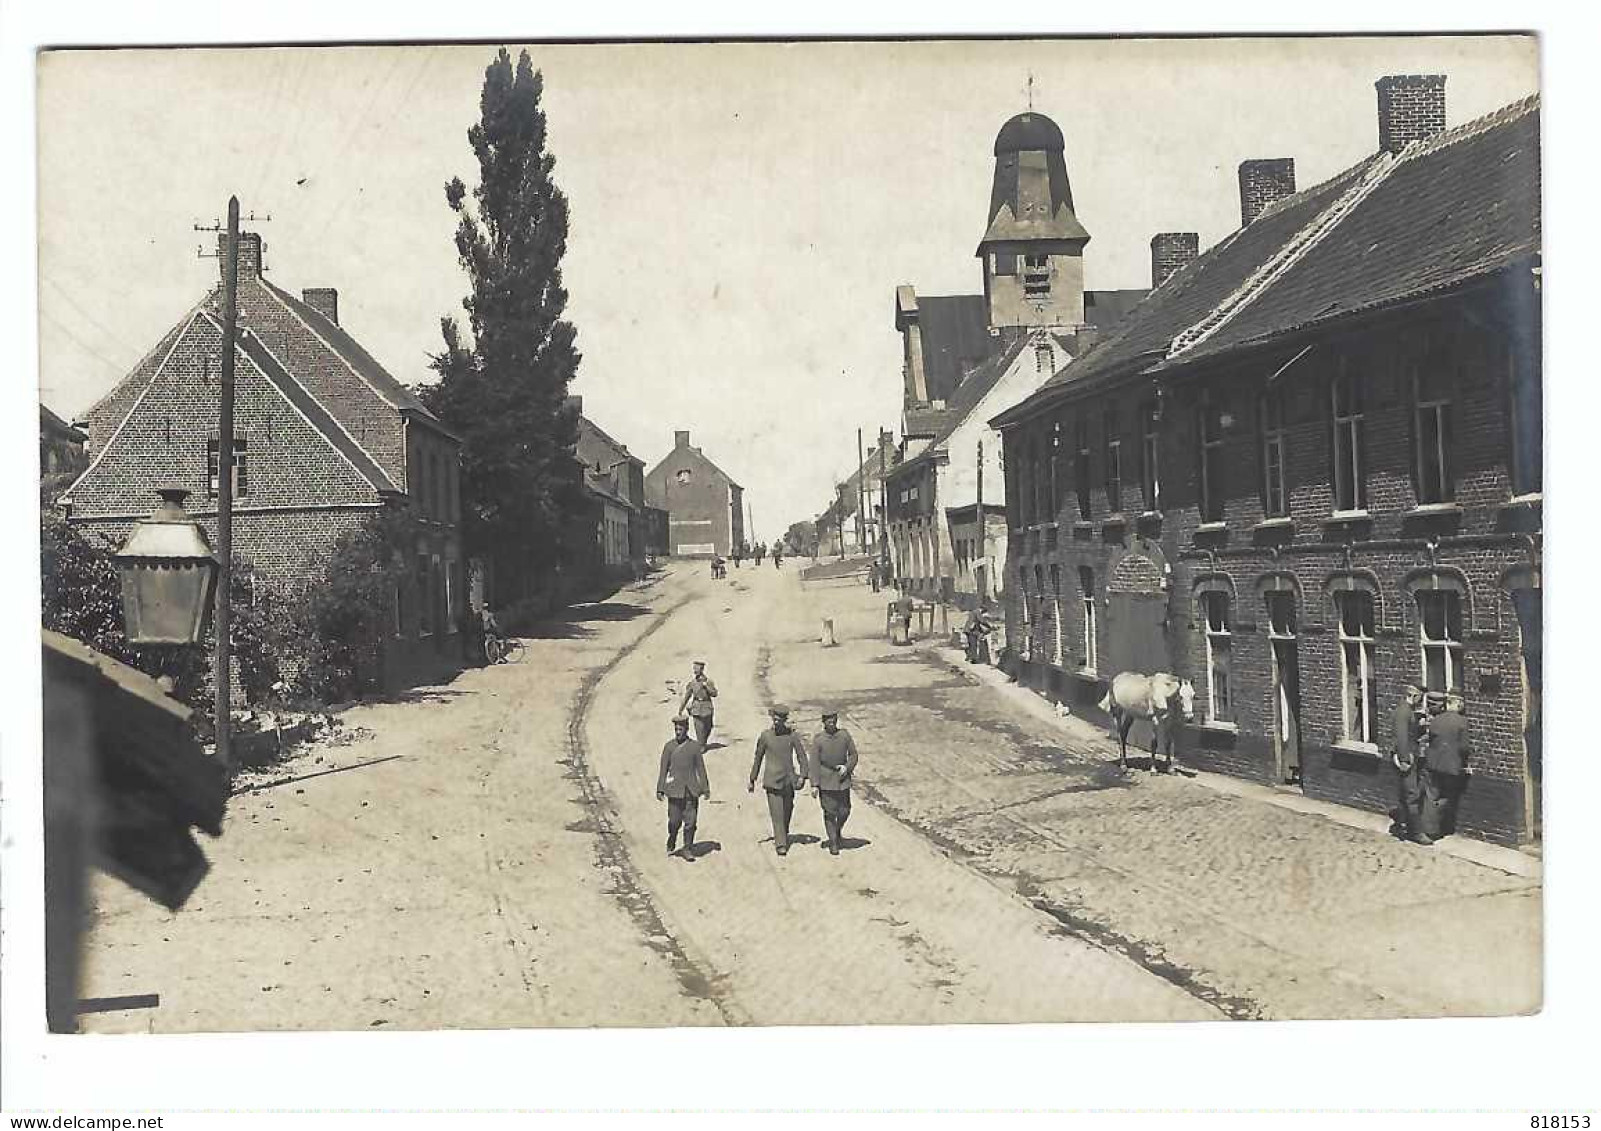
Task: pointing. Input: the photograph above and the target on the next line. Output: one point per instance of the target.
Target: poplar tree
(503, 382)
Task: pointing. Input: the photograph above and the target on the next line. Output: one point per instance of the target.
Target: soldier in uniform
(833, 763)
(1406, 756)
(697, 702)
(682, 782)
(1444, 767)
(782, 751)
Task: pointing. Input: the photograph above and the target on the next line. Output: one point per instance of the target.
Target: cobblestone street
(1260, 910)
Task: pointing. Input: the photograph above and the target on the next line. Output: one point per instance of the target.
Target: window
(1036, 276)
(1041, 473)
(1275, 491)
(241, 470)
(1350, 492)
(1043, 359)
(1432, 427)
(1357, 690)
(1219, 659)
(1523, 380)
(1114, 462)
(425, 597)
(1150, 449)
(1440, 627)
(1211, 426)
(1081, 469)
(1053, 495)
(1005, 262)
(1028, 619)
(1086, 586)
(1056, 614)
(400, 606)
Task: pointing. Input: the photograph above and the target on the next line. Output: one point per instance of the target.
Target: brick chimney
(680, 439)
(249, 255)
(1411, 108)
(324, 300)
(1171, 251)
(1262, 182)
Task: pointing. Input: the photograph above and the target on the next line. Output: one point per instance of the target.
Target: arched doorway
(1135, 636)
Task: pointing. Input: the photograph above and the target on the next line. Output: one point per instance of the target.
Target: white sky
(741, 213)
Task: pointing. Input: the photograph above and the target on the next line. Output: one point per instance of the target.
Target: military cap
(830, 713)
(681, 719)
(1413, 689)
(779, 709)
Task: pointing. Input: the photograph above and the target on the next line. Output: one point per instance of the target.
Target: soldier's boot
(672, 838)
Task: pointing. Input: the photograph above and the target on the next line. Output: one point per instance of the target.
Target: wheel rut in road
(611, 853)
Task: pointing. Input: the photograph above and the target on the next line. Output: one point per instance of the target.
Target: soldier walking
(697, 702)
(782, 751)
(833, 763)
(682, 782)
(1405, 756)
(1444, 766)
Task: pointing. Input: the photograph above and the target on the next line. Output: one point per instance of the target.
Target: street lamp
(169, 576)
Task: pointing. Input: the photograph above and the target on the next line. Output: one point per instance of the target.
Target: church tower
(1033, 247)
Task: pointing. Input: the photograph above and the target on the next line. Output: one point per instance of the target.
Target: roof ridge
(1289, 253)
(1300, 195)
(247, 335)
(1471, 129)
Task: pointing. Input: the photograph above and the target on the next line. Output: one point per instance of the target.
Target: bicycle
(499, 650)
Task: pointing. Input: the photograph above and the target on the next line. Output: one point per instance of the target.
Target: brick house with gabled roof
(324, 438)
(1306, 471)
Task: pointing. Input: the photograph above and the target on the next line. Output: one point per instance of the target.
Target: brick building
(324, 438)
(965, 357)
(705, 508)
(614, 480)
(1306, 471)
(851, 522)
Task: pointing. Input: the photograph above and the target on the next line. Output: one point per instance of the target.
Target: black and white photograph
(670, 535)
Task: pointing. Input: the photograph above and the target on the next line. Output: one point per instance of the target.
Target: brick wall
(1411, 108)
(700, 511)
(1262, 182)
(1479, 544)
(1171, 251)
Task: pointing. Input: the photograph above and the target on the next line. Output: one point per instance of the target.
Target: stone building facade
(1307, 472)
(324, 437)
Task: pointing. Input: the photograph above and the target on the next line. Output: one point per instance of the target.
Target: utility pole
(224, 618)
(883, 500)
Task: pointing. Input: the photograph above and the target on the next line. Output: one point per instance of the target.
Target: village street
(492, 857)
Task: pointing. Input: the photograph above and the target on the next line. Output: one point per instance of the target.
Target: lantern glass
(169, 576)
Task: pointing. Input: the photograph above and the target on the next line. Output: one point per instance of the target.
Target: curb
(1486, 855)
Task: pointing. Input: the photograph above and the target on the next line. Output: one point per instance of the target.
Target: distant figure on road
(833, 763)
(1404, 720)
(719, 569)
(738, 555)
(682, 782)
(697, 702)
(903, 613)
(778, 556)
(761, 552)
(1444, 764)
(976, 630)
(782, 750)
(872, 575)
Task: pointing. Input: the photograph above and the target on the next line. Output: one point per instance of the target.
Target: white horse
(1134, 696)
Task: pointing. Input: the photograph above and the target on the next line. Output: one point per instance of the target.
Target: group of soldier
(1431, 749)
(783, 764)
(720, 564)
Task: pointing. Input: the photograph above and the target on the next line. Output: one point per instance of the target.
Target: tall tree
(503, 387)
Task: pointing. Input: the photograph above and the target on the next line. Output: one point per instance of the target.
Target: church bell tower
(1033, 246)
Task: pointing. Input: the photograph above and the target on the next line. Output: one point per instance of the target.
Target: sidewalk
(1264, 903)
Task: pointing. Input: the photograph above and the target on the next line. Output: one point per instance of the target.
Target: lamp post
(169, 577)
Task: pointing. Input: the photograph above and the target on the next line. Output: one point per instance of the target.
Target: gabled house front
(324, 438)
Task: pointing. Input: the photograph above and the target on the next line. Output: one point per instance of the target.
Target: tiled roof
(53, 425)
(1458, 207)
(595, 446)
(1442, 213)
(312, 410)
(972, 391)
(1105, 309)
(956, 338)
(352, 353)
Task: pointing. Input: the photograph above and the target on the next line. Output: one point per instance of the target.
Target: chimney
(1411, 108)
(324, 300)
(680, 439)
(1262, 182)
(1171, 251)
(249, 255)
(575, 405)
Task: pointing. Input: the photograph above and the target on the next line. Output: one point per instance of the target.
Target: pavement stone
(1271, 911)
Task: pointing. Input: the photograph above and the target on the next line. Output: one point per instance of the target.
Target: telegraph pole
(861, 490)
(224, 618)
(883, 501)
